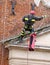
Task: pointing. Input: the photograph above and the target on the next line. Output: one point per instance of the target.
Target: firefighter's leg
(31, 40)
(22, 35)
(30, 45)
(23, 31)
(31, 30)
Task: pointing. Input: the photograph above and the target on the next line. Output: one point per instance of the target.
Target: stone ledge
(37, 47)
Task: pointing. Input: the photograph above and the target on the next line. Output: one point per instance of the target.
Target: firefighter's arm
(25, 18)
(39, 18)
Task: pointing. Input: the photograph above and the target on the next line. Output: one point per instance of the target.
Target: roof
(41, 31)
(12, 42)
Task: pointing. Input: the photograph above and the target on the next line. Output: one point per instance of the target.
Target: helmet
(32, 12)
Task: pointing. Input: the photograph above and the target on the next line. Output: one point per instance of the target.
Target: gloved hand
(44, 16)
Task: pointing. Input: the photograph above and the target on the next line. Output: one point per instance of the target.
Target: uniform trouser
(31, 39)
(26, 28)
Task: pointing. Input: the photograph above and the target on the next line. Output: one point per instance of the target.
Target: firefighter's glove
(44, 16)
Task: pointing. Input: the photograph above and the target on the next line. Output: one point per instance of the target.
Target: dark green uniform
(28, 20)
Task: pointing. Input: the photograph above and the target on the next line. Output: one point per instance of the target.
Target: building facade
(20, 55)
(11, 25)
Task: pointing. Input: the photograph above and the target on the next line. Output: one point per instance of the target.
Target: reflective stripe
(33, 20)
(26, 19)
(22, 32)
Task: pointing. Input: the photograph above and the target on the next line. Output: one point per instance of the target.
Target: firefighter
(32, 41)
(29, 20)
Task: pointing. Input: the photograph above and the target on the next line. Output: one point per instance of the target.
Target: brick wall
(6, 55)
(12, 25)
(3, 55)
